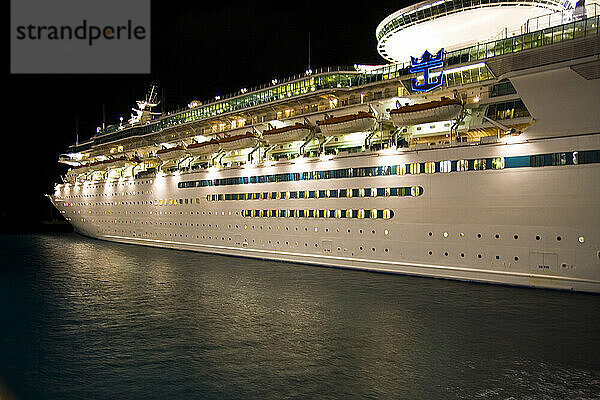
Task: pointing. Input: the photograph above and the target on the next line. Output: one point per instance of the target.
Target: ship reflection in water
(90, 319)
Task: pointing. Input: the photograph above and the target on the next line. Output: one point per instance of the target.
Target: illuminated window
(446, 166)
(401, 169)
(415, 168)
(559, 159)
(430, 167)
(462, 165)
(498, 163)
(479, 164)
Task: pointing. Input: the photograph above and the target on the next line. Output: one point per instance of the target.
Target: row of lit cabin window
(429, 167)
(321, 194)
(355, 214)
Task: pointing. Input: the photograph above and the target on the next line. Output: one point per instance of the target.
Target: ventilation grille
(555, 53)
(589, 71)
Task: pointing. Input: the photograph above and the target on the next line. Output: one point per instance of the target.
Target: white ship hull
(518, 204)
(519, 226)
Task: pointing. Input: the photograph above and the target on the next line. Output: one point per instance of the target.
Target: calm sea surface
(87, 319)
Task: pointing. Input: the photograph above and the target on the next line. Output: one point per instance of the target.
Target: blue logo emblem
(426, 65)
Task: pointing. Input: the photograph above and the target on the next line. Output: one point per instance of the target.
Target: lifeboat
(76, 172)
(336, 126)
(200, 149)
(79, 169)
(239, 141)
(174, 153)
(291, 133)
(120, 162)
(98, 166)
(438, 110)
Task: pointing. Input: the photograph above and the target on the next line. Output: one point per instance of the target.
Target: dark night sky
(199, 49)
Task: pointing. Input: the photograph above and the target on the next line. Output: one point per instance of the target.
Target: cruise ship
(471, 153)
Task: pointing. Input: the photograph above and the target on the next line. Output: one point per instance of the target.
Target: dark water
(86, 319)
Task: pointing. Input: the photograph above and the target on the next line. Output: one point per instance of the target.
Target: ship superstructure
(472, 161)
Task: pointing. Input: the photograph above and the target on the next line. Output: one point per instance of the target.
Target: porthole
(361, 248)
(430, 252)
(516, 258)
(497, 236)
(581, 239)
(461, 234)
(516, 237)
(497, 257)
(386, 250)
(478, 255)
(372, 248)
(479, 235)
(446, 253)
(445, 234)
(558, 238)
(462, 254)
(537, 237)
(386, 232)
(430, 233)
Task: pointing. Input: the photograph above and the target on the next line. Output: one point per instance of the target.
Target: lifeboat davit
(174, 153)
(238, 142)
(438, 110)
(336, 126)
(200, 149)
(287, 134)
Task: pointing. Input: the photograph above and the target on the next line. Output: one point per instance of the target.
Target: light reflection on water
(91, 319)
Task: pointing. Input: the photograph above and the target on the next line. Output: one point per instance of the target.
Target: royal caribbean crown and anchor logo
(426, 65)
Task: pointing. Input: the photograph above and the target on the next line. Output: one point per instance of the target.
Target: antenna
(76, 129)
(309, 50)
(103, 117)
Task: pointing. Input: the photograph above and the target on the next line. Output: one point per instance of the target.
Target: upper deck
(475, 59)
